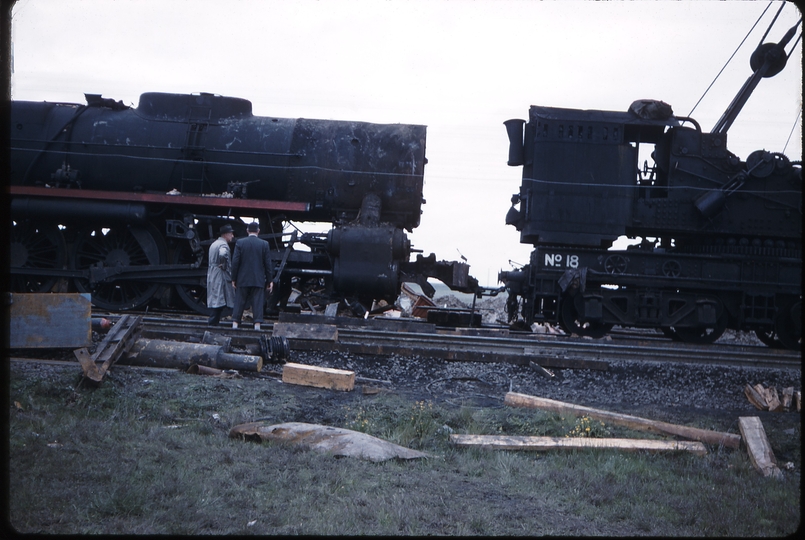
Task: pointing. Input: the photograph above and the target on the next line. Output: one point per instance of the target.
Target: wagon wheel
(703, 334)
(35, 247)
(669, 332)
(118, 245)
(616, 264)
(788, 326)
(192, 291)
(569, 321)
(769, 338)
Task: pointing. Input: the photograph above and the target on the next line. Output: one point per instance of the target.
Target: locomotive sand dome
(123, 201)
(728, 249)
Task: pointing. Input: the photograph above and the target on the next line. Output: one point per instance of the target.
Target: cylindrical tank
(205, 143)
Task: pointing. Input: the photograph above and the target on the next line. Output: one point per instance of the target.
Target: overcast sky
(459, 67)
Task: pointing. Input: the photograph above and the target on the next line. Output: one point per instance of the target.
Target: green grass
(149, 453)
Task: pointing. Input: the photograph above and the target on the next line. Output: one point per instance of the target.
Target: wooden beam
(730, 440)
(788, 397)
(758, 399)
(773, 399)
(512, 442)
(320, 377)
(757, 446)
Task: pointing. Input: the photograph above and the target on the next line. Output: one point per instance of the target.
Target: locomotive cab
(580, 173)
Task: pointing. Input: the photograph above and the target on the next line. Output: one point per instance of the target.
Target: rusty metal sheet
(87, 364)
(42, 320)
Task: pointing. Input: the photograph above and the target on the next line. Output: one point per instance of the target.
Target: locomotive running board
(191, 200)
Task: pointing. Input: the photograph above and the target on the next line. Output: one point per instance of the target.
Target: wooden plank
(788, 397)
(40, 320)
(319, 332)
(513, 442)
(320, 377)
(755, 398)
(730, 440)
(773, 399)
(758, 447)
(762, 392)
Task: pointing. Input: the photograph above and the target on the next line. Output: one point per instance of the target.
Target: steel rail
(548, 351)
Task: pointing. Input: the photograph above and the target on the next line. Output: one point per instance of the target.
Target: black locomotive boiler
(122, 202)
(721, 236)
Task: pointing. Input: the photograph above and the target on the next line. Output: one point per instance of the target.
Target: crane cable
(736, 51)
(792, 131)
(772, 22)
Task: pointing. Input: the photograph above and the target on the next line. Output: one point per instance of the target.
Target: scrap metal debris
(118, 342)
(197, 369)
(338, 441)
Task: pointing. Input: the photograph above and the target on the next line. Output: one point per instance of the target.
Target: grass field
(148, 452)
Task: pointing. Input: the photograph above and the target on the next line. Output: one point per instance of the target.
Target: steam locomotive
(721, 237)
(123, 202)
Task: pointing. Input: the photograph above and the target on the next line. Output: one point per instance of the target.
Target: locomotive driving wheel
(193, 292)
(118, 246)
(39, 247)
(570, 322)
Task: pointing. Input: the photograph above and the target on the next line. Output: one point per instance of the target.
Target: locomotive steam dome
(165, 106)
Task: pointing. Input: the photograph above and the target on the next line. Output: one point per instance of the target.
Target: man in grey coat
(220, 292)
(251, 275)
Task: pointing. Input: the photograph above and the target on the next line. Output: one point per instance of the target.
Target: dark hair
(253, 227)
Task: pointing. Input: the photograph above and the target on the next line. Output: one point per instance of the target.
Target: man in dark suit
(251, 275)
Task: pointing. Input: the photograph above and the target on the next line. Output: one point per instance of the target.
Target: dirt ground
(109, 452)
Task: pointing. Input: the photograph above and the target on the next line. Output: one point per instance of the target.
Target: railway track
(408, 338)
